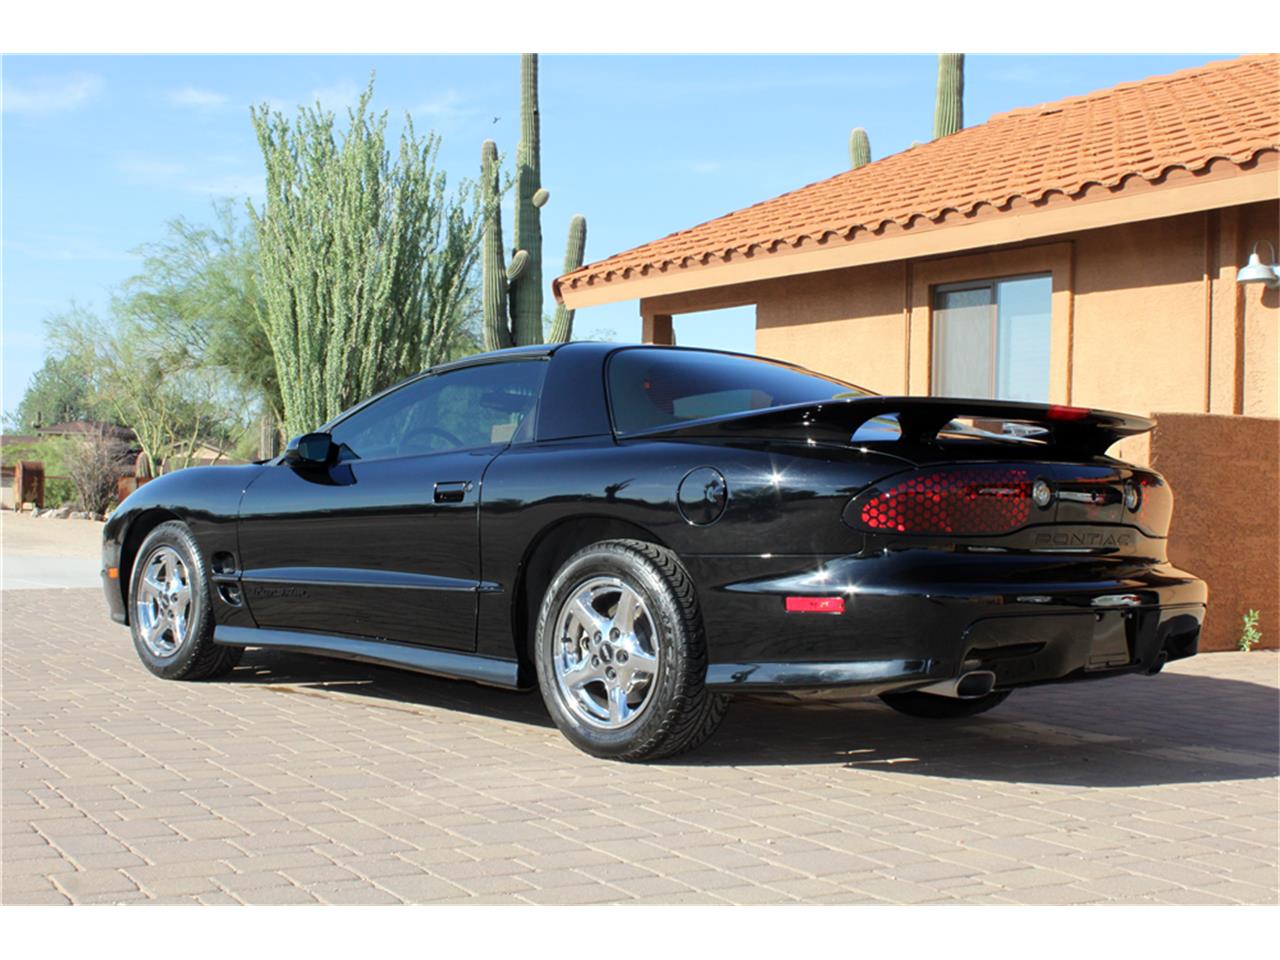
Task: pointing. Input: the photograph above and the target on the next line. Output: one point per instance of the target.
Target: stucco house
(1085, 252)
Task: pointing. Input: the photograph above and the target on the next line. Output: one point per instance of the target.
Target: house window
(991, 339)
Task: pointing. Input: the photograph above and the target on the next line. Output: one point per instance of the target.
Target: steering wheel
(449, 438)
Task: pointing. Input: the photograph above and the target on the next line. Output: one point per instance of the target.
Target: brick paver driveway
(304, 780)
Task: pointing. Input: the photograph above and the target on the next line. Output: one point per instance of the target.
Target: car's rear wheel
(171, 609)
(621, 653)
(931, 706)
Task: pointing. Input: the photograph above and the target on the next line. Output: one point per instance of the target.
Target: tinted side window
(653, 387)
(455, 410)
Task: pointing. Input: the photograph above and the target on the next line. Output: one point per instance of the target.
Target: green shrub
(1250, 636)
(48, 450)
(59, 491)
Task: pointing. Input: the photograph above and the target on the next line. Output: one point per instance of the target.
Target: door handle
(451, 491)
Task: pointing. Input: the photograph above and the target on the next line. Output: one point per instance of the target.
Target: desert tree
(198, 290)
(181, 357)
(174, 406)
(57, 392)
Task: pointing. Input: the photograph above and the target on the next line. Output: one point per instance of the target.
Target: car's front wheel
(621, 654)
(171, 608)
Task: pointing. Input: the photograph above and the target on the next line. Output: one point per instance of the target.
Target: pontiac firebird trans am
(643, 531)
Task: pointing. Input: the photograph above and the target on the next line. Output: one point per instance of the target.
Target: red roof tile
(1224, 110)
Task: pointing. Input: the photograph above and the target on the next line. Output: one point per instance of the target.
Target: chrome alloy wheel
(607, 653)
(162, 606)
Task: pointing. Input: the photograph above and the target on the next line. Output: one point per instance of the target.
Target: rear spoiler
(920, 419)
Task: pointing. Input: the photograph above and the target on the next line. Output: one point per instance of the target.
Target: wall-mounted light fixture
(1255, 271)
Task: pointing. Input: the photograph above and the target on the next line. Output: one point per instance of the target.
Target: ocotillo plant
(948, 110)
(342, 327)
(859, 148)
(513, 291)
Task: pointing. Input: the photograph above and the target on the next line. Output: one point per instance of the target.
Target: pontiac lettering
(1086, 538)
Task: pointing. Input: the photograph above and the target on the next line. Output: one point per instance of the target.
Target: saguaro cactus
(859, 148)
(526, 289)
(497, 324)
(948, 110)
(513, 292)
(562, 328)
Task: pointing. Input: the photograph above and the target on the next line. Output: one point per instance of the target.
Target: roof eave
(1221, 183)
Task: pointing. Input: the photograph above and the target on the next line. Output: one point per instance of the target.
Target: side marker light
(815, 604)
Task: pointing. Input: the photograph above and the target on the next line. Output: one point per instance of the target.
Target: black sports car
(642, 531)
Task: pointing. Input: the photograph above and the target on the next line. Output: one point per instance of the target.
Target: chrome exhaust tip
(975, 684)
(968, 686)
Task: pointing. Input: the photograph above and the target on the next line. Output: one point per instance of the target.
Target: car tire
(654, 651)
(171, 609)
(931, 706)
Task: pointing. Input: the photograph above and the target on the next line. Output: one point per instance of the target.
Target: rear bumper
(1020, 651)
(909, 624)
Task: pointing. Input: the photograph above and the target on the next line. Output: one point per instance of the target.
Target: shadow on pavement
(1128, 731)
(401, 689)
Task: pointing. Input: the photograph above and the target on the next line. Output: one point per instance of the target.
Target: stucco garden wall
(1225, 474)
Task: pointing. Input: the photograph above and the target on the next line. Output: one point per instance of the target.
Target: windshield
(651, 387)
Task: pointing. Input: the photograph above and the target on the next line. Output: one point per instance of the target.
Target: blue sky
(99, 152)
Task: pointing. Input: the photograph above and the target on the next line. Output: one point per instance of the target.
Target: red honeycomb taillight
(957, 500)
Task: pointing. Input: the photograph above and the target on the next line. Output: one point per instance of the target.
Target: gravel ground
(40, 553)
(24, 534)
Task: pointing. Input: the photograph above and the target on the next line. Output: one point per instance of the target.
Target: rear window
(651, 387)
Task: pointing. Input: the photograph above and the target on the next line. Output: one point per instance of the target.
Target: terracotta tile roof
(1229, 110)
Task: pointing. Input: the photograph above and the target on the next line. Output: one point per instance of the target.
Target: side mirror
(310, 449)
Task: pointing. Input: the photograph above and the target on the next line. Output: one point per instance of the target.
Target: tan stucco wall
(1140, 325)
(849, 326)
(1261, 310)
(1171, 287)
